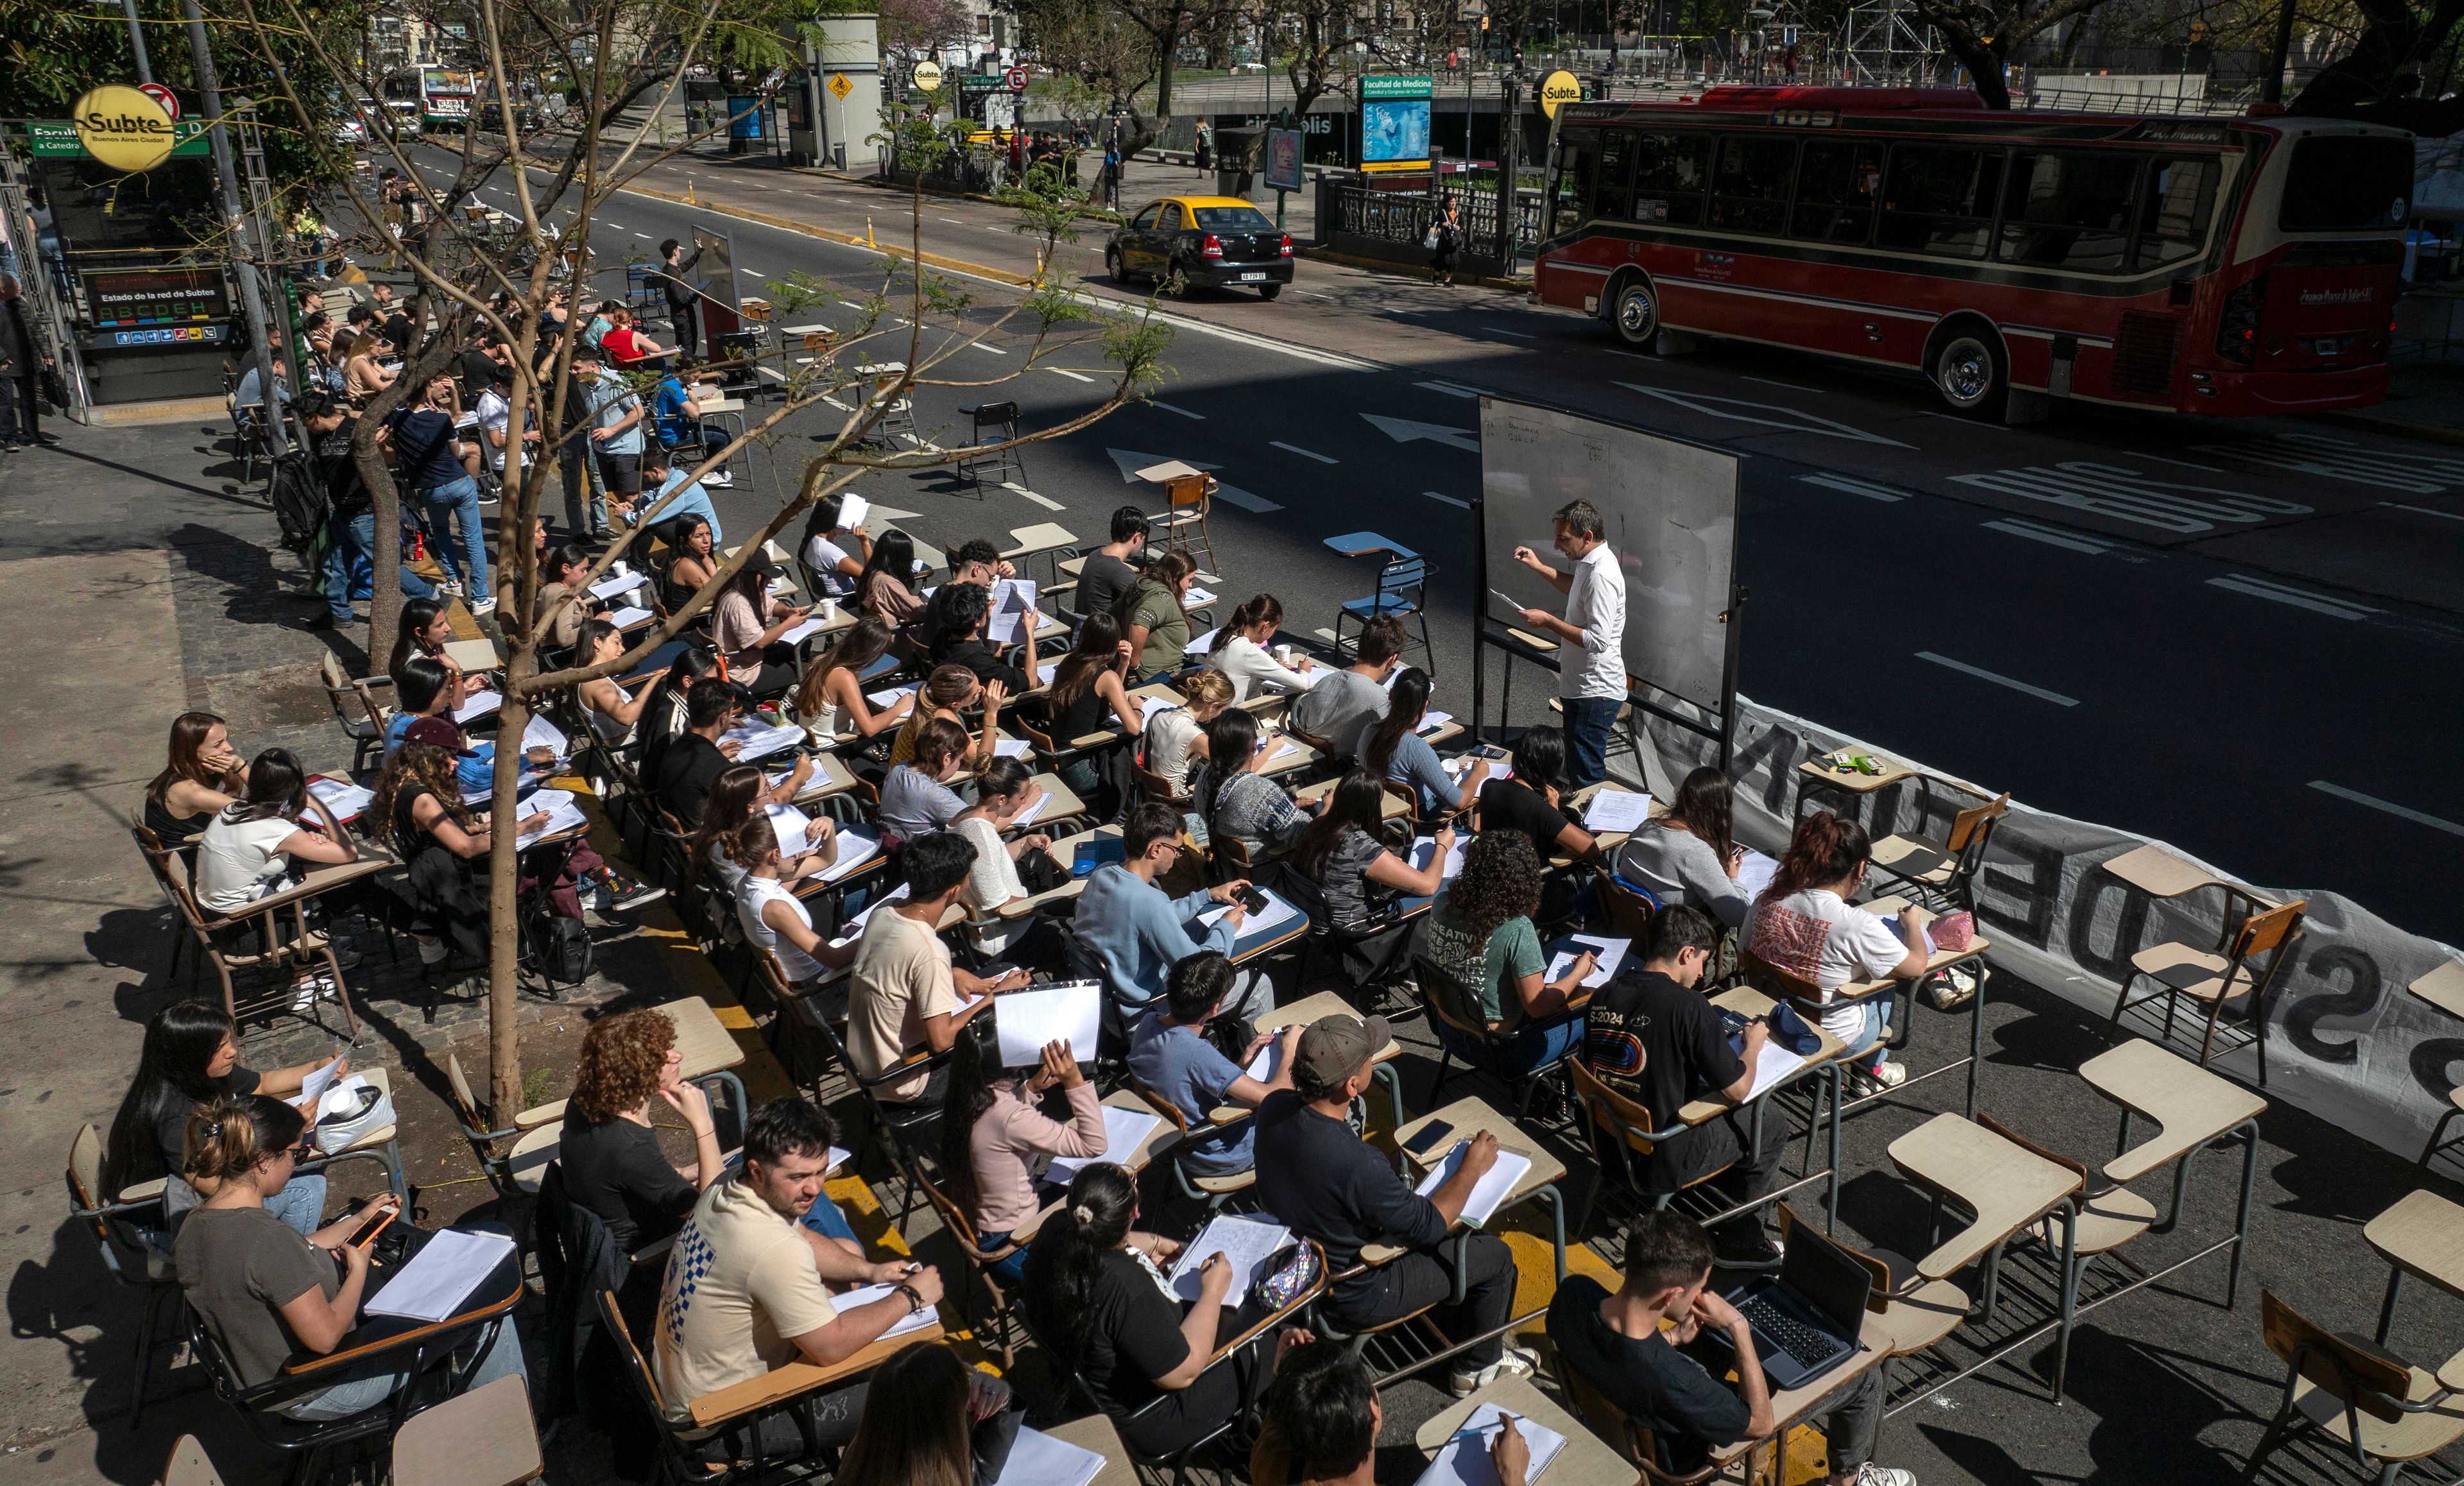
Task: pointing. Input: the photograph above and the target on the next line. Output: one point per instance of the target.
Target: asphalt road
(2239, 637)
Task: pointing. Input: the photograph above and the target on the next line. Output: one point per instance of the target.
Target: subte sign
(123, 129)
(928, 77)
(1559, 89)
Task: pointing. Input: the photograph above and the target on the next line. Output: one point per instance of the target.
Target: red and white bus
(2222, 266)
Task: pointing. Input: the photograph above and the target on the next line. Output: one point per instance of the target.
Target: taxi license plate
(1253, 279)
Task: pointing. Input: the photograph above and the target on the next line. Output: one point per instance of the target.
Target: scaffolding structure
(1883, 45)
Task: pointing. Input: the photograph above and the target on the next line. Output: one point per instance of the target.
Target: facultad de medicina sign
(57, 139)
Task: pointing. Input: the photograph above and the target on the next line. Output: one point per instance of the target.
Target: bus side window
(1609, 193)
(2174, 209)
(1670, 171)
(1940, 199)
(1570, 206)
(1837, 181)
(2069, 209)
(1749, 193)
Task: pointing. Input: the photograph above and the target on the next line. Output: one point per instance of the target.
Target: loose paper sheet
(1431, 722)
(1026, 1019)
(342, 797)
(755, 741)
(628, 616)
(866, 1295)
(479, 706)
(1465, 1460)
(1272, 916)
(540, 733)
(621, 583)
(441, 1275)
(1610, 955)
(792, 826)
(1616, 810)
(855, 925)
(1426, 846)
(1203, 643)
(313, 1087)
(852, 510)
(1038, 1459)
(1011, 747)
(1013, 599)
(1123, 1131)
(856, 847)
(1492, 1187)
(1248, 1242)
(1755, 873)
(1774, 1063)
(802, 632)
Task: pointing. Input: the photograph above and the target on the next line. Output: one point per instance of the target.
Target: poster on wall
(1283, 160)
(1394, 122)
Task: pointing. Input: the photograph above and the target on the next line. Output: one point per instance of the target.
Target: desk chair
(484, 1437)
(135, 1264)
(1187, 500)
(2227, 973)
(900, 1131)
(2371, 1401)
(1621, 1127)
(1408, 1341)
(1943, 873)
(1003, 1313)
(1002, 419)
(1154, 789)
(529, 1154)
(1210, 1192)
(1628, 908)
(190, 1465)
(1464, 1032)
(300, 950)
(2110, 1216)
(1639, 1445)
(365, 732)
(1402, 590)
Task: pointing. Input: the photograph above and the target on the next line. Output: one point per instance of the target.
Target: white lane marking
(2123, 494)
(1448, 499)
(1046, 501)
(619, 226)
(1129, 462)
(990, 350)
(1003, 231)
(2263, 588)
(1182, 412)
(1789, 421)
(2332, 458)
(1982, 674)
(1449, 388)
(961, 221)
(1063, 371)
(1790, 385)
(2184, 463)
(2390, 807)
(1516, 334)
(1314, 295)
(644, 236)
(2050, 538)
(2421, 510)
(1403, 430)
(1865, 487)
(1294, 448)
(1233, 495)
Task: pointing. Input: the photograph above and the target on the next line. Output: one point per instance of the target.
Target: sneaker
(1752, 1251)
(448, 587)
(1871, 1474)
(489, 498)
(1881, 1078)
(483, 606)
(722, 479)
(1517, 1362)
(318, 987)
(631, 897)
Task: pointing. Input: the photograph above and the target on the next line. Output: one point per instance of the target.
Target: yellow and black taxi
(1208, 242)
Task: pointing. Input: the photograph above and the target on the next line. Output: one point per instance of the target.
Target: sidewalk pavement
(2425, 401)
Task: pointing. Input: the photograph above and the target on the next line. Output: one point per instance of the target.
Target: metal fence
(1401, 220)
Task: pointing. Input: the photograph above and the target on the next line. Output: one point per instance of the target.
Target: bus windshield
(2346, 182)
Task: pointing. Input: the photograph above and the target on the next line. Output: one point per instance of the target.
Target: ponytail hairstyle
(1707, 805)
(1000, 779)
(752, 841)
(970, 1096)
(1231, 742)
(1067, 1255)
(1098, 650)
(1261, 609)
(1358, 803)
(181, 1043)
(724, 811)
(1407, 703)
(1208, 687)
(1166, 573)
(1826, 848)
(232, 1135)
(277, 787)
(863, 644)
(1540, 758)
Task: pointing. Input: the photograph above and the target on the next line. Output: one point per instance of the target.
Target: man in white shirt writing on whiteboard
(1591, 686)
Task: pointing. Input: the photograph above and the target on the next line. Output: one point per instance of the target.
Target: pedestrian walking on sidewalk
(22, 363)
(1445, 236)
(1206, 147)
(1113, 175)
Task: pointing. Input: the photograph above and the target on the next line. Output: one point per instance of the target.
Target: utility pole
(2270, 88)
(137, 42)
(237, 224)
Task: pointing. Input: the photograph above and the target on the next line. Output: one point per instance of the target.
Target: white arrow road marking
(1046, 501)
(1063, 371)
(2299, 599)
(1233, 495)
(2392, 808)
(2342, 459)
(1864, 487)
(1449, 388)
(1403, 430)
(1982, 674)
(2126, 495)
(1130, 462)
(1790, 420)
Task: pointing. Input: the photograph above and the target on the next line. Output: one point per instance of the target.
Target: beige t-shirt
(902, 976)
(740, 1287)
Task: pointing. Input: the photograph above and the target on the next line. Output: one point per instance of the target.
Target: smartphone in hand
(1251, 898)
(379, 1216)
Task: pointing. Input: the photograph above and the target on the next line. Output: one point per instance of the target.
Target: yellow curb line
(791, 224)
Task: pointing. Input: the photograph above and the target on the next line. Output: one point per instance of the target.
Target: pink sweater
(1006, 1141)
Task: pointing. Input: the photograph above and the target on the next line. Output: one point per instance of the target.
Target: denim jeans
(825, 1219)
(1536, 1044)
(1589, 720)
(458, 502)
(1010, 1270)
(1876, 1014)
(349, 542)
(586, 504)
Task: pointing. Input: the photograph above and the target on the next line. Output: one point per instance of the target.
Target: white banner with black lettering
(2347, 1042)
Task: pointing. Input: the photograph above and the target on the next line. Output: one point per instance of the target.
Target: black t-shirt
(1511, 806)
(397, 329)
(687, 770)
(1659, 1387)
(977, 657)
(1133, 1335)
(1323, 1182)
(1103, 578)
(1658, 1044)
(617, 1170)
(423, 446)
(171, 1128)
(478, 371)
(345, 486)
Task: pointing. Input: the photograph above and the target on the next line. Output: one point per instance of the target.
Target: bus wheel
(1635, 315)
(1967, 372)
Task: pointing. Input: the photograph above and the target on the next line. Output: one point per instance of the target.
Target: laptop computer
(1806, 1317)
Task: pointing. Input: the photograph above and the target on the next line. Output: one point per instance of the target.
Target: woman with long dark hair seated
(1344, 853)
(1390, 748)
(1480, 932)
(1687, 855)
(931, 1420)
(422, 630)
(191, 1058)
(612, 714)
(1090, 694)
(1096, 1296)
(252, 845)
(1239, 802)
(1804, 924)
(691, 561)
(203, 775)
(885, 588)
(418, 808)
(831, 700)
(992, 1129)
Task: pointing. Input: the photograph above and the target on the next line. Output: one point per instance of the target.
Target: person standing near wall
(1592, 684)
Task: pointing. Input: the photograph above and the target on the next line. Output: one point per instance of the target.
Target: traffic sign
(928, 77)
(839, 87)
(163, 95)
(1016, 78)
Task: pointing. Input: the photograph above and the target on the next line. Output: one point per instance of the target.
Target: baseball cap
(1333, 1048)
(437, 733)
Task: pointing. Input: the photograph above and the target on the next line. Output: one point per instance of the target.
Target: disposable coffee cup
(1284, 655)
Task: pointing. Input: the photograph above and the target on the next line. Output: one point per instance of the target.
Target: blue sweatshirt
(477, 772)
(1141, 933)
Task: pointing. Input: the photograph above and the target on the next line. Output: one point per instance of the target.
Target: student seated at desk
(1112, 570)
(773, 917)
(1095, 1294)
(915, 796)
(885, 588)
(963, 612)
(1152, 616)
(1322, 1181)
(739, 793)
(834, 555)
(1686, 856)
(612, 714)
(1004, 792)
(675, 416)
(1238, 802)
(203, 775)
(610, 1154)
(1323, 1420)
(992, 1129)
(422, 630)
(946, 696)
(1342, 854)
(905, 995)
(425, 690)
(1341, 702)
(1090, 694)
(1138, 932)
(191, 1059)
(1481, 933)
(566, 601)
(692, 559)
(1618, 1344)
(418, 810)
(1529, 801)
(931, 1420)
(831, 700)
(623, 341)
(1391, 748)
(1172, 1053)
(673, 495)
(746, 623)
(267, 1293)
(252, 843)
(1656, 1040)
(692, 763)
(1804, 924)
(745, 1294)
(1239, 652)
(666, 712)
(1177, 735)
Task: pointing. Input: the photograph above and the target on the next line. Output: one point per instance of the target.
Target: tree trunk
(504, 924)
